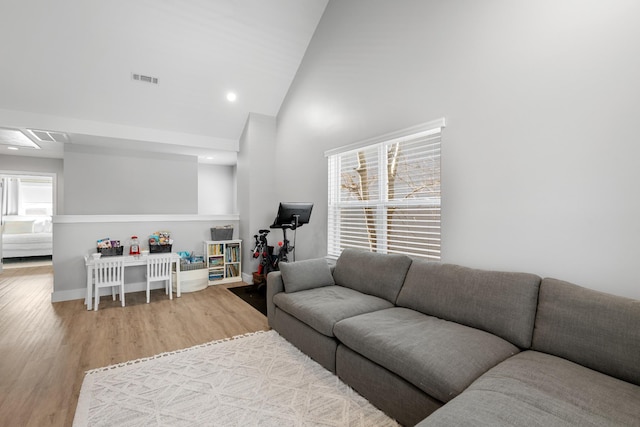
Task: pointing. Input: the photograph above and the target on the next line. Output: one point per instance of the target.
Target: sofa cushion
(372, 273)
(502, 303)
(594, 329)
(307, 274)
(537, 389)
(439, 357)
(322, 307)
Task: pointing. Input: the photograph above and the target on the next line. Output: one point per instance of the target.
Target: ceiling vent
(48, 136)
(143, 78)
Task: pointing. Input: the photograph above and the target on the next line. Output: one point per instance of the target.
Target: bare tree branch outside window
(385, 196)
(418, 179)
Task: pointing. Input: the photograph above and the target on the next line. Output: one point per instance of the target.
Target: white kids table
(129, 261)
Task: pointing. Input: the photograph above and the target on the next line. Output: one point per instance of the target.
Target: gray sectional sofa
(443, 345)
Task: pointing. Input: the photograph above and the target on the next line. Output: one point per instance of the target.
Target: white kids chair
(108, 273)
(159, 270)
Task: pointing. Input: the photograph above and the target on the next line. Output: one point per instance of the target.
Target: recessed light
(231, 97)
(12, 148)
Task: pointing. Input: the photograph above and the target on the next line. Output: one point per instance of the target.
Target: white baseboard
(73, 294)
(68, 295)
(247, 278)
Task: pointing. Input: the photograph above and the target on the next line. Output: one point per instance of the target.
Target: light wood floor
(45, 348)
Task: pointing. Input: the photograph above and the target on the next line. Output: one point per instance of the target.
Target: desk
(129, 261)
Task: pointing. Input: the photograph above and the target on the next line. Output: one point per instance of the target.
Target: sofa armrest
(275, 285)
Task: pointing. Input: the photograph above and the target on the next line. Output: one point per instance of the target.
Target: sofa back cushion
(307, 274)
(595, 329)
(501, 303)
(371, 273)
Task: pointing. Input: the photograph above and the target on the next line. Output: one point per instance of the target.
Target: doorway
(26, 213)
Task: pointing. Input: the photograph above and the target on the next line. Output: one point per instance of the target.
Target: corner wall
(257, 180)
(540, 153)
(216, 189)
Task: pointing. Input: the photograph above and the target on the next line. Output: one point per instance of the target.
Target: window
(26, 195)
(384, 194)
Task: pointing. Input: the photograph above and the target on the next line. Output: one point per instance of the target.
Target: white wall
(118, 194)
(216, 189)
(103, 181)
(540, 152)
(257, 180)
(76, 235)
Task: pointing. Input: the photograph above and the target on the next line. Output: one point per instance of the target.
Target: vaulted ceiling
(69, 66)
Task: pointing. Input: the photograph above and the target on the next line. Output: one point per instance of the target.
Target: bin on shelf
(222, 233)
(110, 251)
(159, 249)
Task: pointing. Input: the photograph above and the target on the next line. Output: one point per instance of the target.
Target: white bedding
(17, 241)
(28, 244)
(22, 241)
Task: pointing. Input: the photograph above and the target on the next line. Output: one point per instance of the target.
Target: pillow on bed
(42, 226)
(18, 227)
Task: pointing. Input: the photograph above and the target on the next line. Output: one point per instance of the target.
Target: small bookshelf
(223, 260)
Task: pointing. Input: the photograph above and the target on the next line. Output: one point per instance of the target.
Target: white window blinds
(384, 194)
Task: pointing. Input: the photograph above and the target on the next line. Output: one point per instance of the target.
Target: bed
(26, 236)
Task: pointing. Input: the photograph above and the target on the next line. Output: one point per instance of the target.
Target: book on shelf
(233, 253)
(217, 275)
(215, 261)
(232, 270)
(216, 249)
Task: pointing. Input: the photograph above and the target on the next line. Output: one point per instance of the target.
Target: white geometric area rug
(254, 380)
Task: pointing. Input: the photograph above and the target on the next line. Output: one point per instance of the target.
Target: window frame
(335, 242)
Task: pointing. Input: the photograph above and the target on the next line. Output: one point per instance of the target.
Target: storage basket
(159, 249)
(222, 233)
(188, 266)
(110, 251)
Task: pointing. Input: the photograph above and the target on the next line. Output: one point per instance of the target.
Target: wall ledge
(79, 219)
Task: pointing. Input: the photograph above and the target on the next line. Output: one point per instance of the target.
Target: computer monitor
(287, 213)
